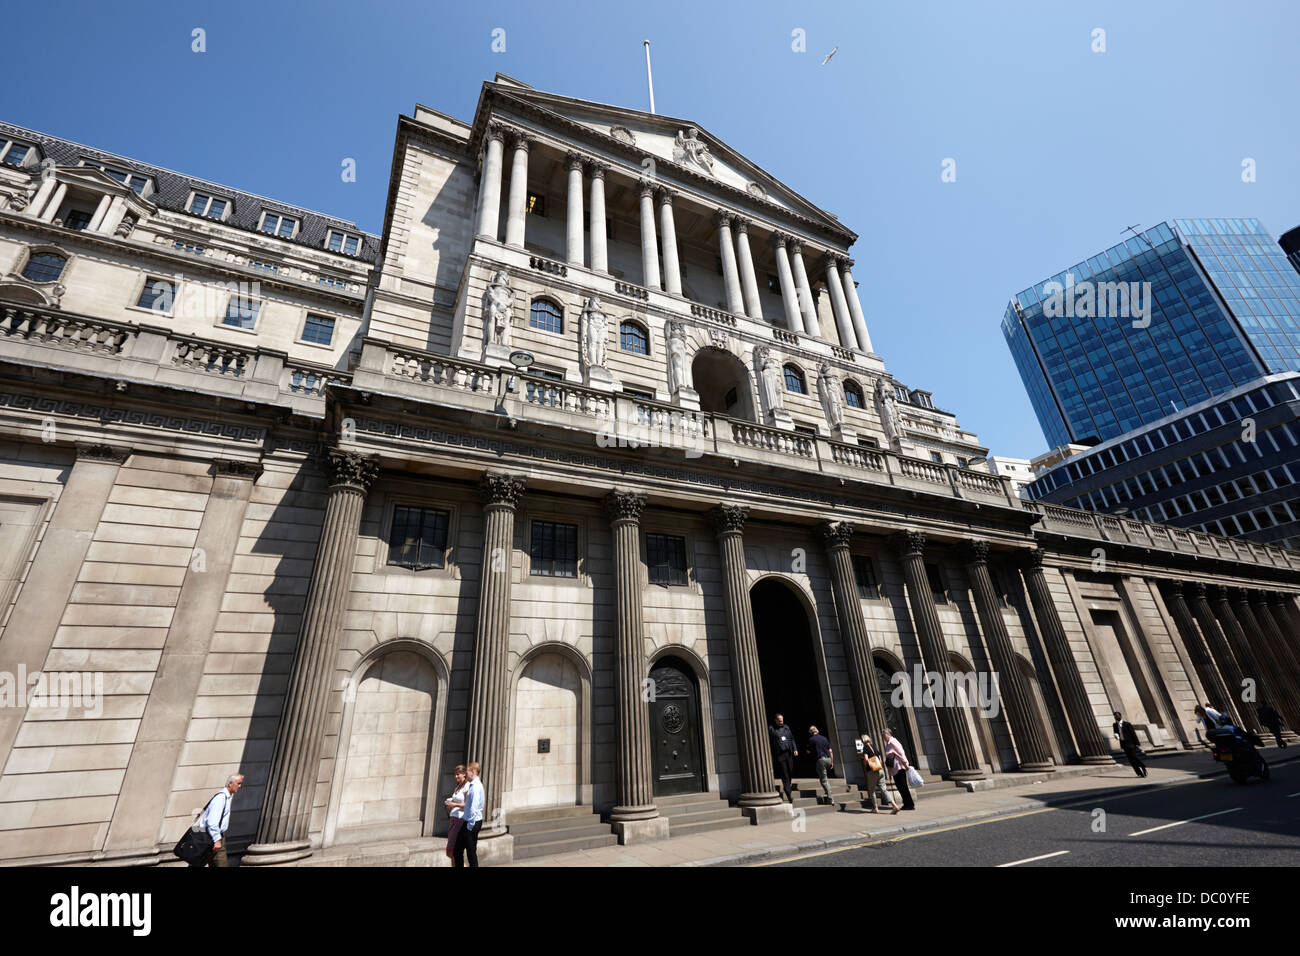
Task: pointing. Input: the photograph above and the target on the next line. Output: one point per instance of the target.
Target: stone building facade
(584, 505)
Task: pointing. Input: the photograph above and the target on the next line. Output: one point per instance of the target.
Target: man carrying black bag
(204, 843)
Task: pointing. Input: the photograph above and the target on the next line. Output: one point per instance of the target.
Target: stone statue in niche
(769, 377)
(595, 333)
(687, 148)
(679, 367)
(832, 394)
(498, 303)
(888, 412)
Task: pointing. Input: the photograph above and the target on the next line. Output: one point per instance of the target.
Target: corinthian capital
(975, 552)
(741, 226)
(910, 543)
(596, 169)
(729, 519)
(723, 218)
(497, 131)
(780, 239)
(836, 534)
(348, 469)
(500, 489)
(521, 140)
(574, 160)
(624, 505)
(646, 187)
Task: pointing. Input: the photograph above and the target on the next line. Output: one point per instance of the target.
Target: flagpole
(649, 78)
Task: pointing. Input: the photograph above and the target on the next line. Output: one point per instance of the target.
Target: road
(1211, 822)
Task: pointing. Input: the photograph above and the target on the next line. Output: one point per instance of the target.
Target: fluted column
(804, 290)
(282, 830)
(1211, 683)
(1223, 657)
(649, 248)
(668, 236)
(1287, 616)
(1026, 723)
(839, 307)
(488, 720)
(517, 206)
(1270, 613)
(748, 281)
(855, 305)
(963, 763)
(730, 277)
(599, 241)
(1284, 681)
(633, 770)
(867, 706)
(742, 648)
(573, 245)
(1093, 748)
(1241, 648)
(789, 294)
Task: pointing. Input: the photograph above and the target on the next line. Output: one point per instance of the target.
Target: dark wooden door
(675, 731)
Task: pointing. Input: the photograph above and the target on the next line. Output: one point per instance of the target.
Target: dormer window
(275, 224)
(141, 184)
(205, 204)
(14, 153)
(343, 242)
(900, 393)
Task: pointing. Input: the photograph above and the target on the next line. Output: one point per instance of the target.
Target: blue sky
(1057, 148)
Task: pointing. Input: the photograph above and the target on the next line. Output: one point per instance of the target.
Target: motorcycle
(1231, 748)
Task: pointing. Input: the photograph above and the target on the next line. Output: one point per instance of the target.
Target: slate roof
(172, 191)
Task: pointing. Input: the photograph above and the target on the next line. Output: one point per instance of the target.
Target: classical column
(668, 236)
(1026, 723)
(37, 206)
(840, 308)
(282, 830)
(649, 248)
(867, 706)
(1241, 648)
(1093, 748)
(56, 201)
(101, 211)
(748, 281)
(789, 296)
(517, 206)
(488, 719)
(1223, 656)
(635, 815)
(752, 745)
(1211, 683)
(1272, 615)
(1287, 616)
(599, 248)
(573, 252)
(1284, 681)
(38, 611)
(855, 305)
(730, 277)
(963, 763)
(804, 289)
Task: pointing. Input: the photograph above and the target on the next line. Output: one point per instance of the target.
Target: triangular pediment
(680, 143)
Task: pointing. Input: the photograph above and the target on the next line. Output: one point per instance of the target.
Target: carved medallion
(672, 719)
(754, 189)
(623, 135)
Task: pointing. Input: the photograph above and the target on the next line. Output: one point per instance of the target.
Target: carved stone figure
(679, 368)
(769, 377)
(832, 394)
(688, 149)
(595, 332)
(125, 227)
(888, 412)
(498, 303)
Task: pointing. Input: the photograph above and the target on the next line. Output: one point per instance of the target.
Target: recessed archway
(722, 381)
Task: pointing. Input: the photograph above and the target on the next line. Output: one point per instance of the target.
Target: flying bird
(829, 55)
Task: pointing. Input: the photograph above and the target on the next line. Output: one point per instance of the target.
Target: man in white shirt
(216, 820)
(475, 801)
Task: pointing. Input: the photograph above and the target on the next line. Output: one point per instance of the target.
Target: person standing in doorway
(475, 798)
(897, 765)
(783, 752)
(821, 747)
(1128, 742)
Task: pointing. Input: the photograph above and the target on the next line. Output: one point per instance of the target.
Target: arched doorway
(723, 383)
(677, 748)
(546, 764)
(790, 666)
(897, 718)
(980, 730)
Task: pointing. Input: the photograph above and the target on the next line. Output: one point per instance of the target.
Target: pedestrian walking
(784, 751)
(1271, 719)
(475, 798)
(820, 746)
(456, 804)
(873, 764)
(897, 765)
(1128, 742)
(216, 820)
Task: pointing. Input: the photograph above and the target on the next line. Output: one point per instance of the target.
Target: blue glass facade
(1164, 320)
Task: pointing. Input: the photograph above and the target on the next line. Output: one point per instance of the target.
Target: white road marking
(1181, 822)
(1297, 794)
(1045, 856)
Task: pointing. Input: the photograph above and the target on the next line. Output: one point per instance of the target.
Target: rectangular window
(319, 330)
(936, 581)
(554, 549)
(865, 573)
(936, 457)
(77, 219)
(274, 224)
(343, 242)
(241, 312)
(213, 207)
(188, 247)
(418, 538)
(157, 295)
(536, 205)
(334, 282)
(134, 180)
(263, 266)
(13, 154)
(665, 558)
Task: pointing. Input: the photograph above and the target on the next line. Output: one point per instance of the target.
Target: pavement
(938, 805)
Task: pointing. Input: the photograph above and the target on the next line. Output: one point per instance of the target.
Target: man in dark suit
(1271, 719)
(1128, 742)
(783, 752)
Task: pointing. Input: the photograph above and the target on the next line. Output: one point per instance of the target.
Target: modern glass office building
(1177, 314)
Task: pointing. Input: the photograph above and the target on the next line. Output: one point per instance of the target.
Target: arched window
(794, 380)
(853, 395)
(633, 338)
(546, 315)
(44, 267)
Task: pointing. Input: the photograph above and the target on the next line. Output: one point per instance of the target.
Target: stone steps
(696, 812)
(557, 830)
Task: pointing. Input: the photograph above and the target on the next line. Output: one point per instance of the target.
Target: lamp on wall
(520, 360)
